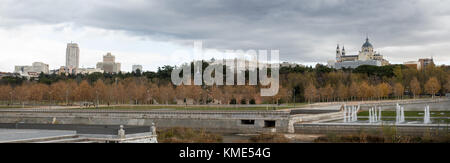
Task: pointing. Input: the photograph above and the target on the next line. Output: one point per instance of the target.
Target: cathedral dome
(367, 44)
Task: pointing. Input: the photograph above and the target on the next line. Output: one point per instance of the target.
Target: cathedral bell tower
(343, 50)
(338, 54)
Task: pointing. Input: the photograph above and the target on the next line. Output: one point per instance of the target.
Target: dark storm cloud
(303, 30)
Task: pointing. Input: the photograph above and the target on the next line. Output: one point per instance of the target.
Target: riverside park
(388, 121)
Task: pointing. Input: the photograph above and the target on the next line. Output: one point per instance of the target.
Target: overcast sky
(148, 32)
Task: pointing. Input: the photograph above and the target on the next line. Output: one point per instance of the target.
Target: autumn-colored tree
(378, 92)
(249, 93)
(119, 93)
(365, 90)
(166, 93)
(309, 84)
(353, 90)
(414, 87)
(217, 94)
(6, 93)
(447, 84)
(283, 94)
(399, 90)
(100, 91)
(205, 95)
(229, 92)
(181, 92)
(109, 96)
(322, 94)
(385, 90)
(135, 91)
(153, 92)
(196, 93)
(310, 92)
(84, 92)
(58, 91)
(342, 92)
(326, 93)
(70, 91)
(37, 92)
(432, 86)
(21, 93)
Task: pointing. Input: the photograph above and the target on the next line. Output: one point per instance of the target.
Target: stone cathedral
(367, 56)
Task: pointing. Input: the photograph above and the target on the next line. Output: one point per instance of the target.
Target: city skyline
(73, 56)
(247, 72)
(305, 32)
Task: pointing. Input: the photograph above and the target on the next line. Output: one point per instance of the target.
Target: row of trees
(365, 91)
(299, 84)
(134, 91)
(367, 83)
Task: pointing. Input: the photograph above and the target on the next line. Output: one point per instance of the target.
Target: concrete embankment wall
(414, 130)
(218, 121)
(310, 118)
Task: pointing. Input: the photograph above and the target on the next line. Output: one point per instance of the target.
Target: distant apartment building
(424, 62)
(413, 64)
(136, 67)
(63, 70)
(88, 70)
(72, 55)
(32, 71)
(420, 64)
(109, 65)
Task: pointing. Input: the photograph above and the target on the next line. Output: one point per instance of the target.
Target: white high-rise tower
(72, 55)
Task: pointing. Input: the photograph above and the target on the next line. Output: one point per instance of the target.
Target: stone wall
(218, 121)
